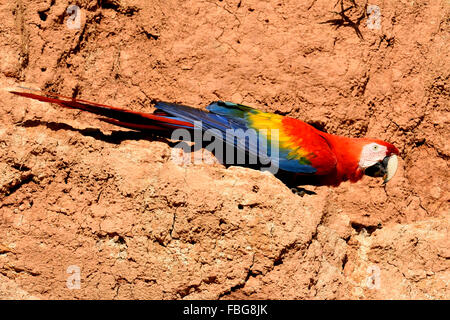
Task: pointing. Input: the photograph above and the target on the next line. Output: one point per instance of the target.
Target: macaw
(305, 154)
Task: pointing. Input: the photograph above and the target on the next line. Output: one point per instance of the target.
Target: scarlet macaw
(306, 155)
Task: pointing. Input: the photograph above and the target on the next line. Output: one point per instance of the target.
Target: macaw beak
(385, 168)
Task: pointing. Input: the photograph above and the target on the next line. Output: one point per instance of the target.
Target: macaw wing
(301, 148)
(289, 143)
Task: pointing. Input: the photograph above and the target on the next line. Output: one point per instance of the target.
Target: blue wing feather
(226, 116)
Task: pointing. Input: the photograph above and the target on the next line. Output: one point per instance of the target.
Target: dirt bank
(79, 193)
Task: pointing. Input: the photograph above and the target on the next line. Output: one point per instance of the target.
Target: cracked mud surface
(75, 191)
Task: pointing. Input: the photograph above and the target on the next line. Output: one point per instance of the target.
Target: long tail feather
(121, 117)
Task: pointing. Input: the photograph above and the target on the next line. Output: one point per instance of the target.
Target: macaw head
(379, 159)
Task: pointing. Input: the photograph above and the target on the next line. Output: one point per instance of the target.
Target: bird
(302, 154)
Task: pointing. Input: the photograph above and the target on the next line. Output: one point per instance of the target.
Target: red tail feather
(121, 117)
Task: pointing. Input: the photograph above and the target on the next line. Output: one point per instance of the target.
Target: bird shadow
(116, 137)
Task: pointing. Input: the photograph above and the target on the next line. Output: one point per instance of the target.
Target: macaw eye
(375, 147)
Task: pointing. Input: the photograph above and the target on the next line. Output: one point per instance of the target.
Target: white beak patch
(391, 168)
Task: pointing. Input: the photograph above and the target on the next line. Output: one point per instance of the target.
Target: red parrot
(304, 154)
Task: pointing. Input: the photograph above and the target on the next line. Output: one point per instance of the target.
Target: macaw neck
(347, 151)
